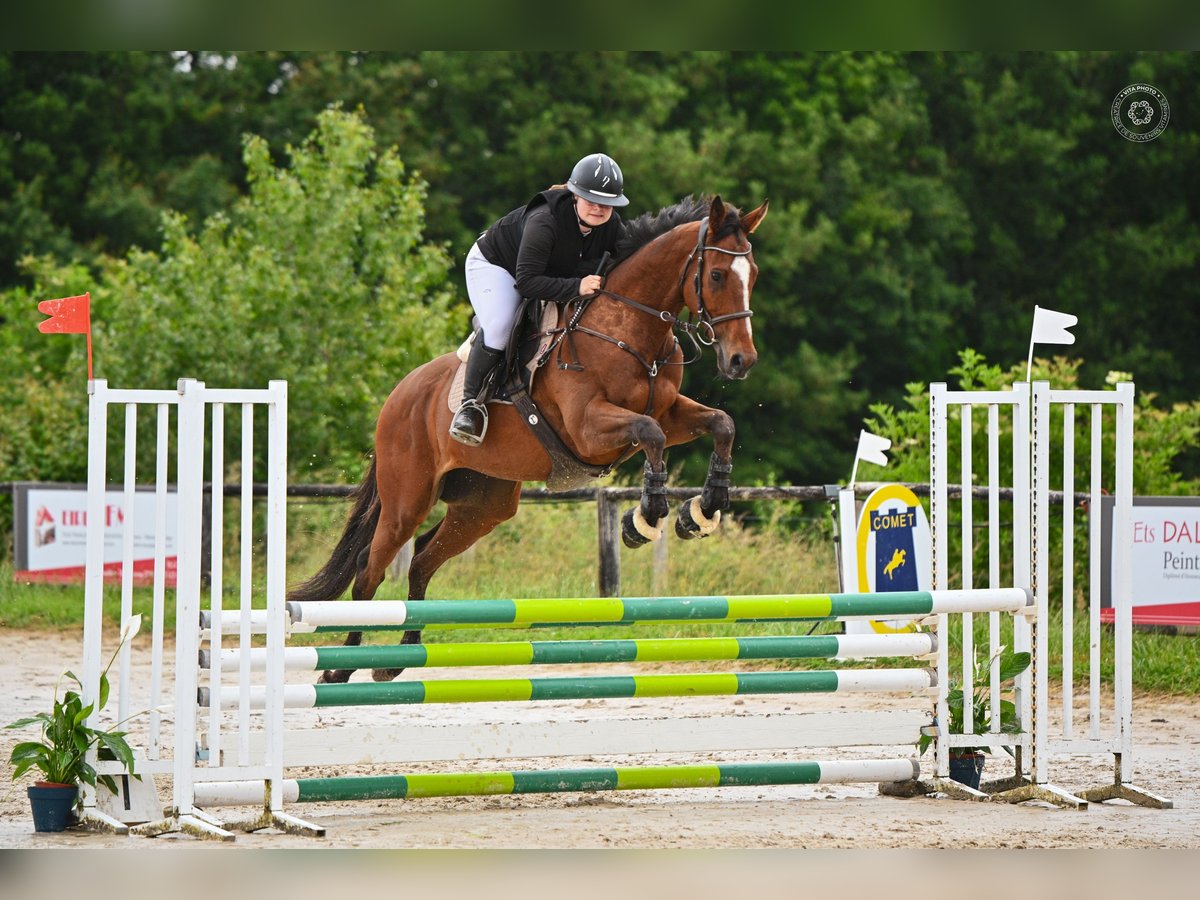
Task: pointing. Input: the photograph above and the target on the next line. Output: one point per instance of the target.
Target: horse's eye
(716, 276)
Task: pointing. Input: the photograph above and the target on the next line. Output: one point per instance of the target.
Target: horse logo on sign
(898, 558)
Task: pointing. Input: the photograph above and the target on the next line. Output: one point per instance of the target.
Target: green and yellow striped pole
(621, 778)
(502, 690)
(520, 653)
(533, 613)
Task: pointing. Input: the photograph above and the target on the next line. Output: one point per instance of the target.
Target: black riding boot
(470, 421)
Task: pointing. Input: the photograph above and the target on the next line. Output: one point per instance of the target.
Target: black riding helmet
(597, 178)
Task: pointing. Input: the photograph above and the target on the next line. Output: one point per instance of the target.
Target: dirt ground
(1167, 762)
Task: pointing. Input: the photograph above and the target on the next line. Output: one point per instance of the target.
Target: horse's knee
(723, 432)
(646, 433)
(722, 426)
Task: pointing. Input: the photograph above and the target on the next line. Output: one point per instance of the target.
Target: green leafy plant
(1011, 665)
(61, 753)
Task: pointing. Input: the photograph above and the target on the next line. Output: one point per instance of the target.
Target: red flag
(69, 315)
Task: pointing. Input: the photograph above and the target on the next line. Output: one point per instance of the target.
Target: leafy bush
(1161, 436)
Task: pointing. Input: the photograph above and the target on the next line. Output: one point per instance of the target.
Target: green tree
(921, 202)
(319, 276)
(95, 146)
(1068, 215)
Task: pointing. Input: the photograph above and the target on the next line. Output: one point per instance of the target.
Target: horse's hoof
(636, 531)
(335, 676)
(385, 674)
(691, 523)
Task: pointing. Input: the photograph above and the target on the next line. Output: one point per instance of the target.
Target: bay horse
(620, 394)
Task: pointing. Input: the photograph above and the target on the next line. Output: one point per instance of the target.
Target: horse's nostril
(735, 362)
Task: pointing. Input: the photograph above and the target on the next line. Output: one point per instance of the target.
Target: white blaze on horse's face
(736, 355)
(741, 268)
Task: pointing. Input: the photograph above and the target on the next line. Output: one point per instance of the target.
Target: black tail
(335, 576)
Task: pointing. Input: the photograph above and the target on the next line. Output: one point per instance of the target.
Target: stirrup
(469, 437)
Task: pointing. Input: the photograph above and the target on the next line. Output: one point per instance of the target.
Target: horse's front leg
(685, 421)
(608, 428)
(640, 525)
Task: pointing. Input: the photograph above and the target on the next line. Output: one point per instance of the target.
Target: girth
(567, 471)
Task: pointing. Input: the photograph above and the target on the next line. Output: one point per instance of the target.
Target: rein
(702, 333)
(652, 367)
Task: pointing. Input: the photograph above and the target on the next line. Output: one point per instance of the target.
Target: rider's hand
(589, 284)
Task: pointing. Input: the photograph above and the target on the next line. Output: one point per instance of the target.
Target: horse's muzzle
(735, 366)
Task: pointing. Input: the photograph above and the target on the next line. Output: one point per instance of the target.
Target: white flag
(871, 447)
(1050, 327)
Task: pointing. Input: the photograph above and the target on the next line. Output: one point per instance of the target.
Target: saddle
(529, 345)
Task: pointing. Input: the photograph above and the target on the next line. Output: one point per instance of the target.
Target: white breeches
(493, 296)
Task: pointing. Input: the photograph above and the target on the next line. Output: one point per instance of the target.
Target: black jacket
(540, 245)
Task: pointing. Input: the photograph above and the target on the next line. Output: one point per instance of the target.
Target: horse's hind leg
(475, 504)
(394, 528)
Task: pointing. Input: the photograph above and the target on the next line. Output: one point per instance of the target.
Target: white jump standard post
(192, 400)
(1119, 738)
(1031, 450)
(184, 815)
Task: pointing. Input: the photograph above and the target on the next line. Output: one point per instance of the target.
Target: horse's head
(723, 273)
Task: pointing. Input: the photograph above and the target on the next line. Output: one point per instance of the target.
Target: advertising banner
(50, 533)
(1165, 558)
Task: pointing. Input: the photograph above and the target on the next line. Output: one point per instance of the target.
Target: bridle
(707, 321)
(702, 332)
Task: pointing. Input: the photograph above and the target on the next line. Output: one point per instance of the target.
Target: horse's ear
(753, 219)
(716, 212)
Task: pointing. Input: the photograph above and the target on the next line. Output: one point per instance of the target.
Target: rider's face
(592, 214)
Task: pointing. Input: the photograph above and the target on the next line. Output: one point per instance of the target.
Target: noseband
(708, 322)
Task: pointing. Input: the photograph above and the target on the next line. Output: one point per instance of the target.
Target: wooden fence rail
(608, 501)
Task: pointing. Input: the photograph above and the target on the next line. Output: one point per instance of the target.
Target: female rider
(548, 249)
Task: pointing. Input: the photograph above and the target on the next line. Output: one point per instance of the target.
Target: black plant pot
(52, 805)
(967, 769)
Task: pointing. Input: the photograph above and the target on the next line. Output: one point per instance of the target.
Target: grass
(51, 607)
(549, 550)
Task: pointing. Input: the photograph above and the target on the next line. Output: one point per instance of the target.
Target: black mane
(646, 227)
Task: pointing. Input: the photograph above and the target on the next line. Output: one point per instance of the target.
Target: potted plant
(61, 753)
(966, 763)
